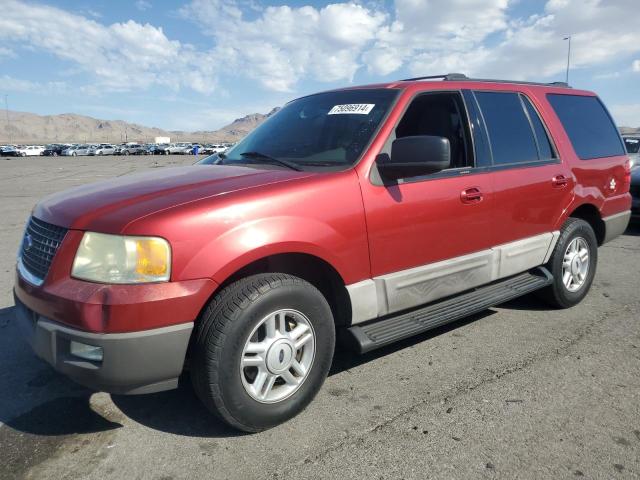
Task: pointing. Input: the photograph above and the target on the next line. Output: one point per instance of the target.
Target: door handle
(471, 195)
(559, 181)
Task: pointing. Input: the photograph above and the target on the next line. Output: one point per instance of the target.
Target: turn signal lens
(153, 255)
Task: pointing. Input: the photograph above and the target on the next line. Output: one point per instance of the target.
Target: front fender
(220, 257)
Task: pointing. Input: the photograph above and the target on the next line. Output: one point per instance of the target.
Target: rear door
(532, 185)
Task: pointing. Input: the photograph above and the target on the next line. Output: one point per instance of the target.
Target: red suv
(378, 212)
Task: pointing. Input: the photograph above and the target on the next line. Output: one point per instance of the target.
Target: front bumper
(133, 363)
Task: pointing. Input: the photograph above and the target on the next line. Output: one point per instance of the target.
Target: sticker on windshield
(352, 108)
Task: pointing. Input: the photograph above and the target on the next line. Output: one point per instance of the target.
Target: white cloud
(285, 44)
(121, 56)
(522, 48)
(143, 5)
(11, 84)
(279, 46)
(6, 52)
(282, 45)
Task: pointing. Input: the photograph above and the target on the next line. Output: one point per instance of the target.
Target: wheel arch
(590, 214)
(311, 268)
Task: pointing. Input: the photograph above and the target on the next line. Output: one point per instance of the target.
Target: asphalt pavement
(517, 392)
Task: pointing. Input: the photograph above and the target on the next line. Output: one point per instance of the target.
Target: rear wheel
(573, 264)
(262, 350)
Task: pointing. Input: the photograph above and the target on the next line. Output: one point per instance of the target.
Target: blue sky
(199, 64)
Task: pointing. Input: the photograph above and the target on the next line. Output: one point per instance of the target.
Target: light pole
(6, 109)
(566, 79)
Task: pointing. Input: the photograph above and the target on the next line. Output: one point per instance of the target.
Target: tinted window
(509, 129)
(544, 145)
(588, 125)
(441, 115)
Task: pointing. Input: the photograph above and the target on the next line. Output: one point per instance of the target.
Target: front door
(430, 237)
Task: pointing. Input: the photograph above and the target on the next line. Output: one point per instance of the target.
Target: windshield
(632, 144)
(328, 129)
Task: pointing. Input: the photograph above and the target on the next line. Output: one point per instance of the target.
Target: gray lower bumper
(615, 225)
(139, 362)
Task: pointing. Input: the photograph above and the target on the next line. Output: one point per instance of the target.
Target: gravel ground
(518, 391)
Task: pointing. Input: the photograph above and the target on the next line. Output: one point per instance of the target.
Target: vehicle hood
(109, 206)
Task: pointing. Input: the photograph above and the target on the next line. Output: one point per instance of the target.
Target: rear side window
(588, 125)
(509, 130)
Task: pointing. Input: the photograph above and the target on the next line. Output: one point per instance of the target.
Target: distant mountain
(627, 130)
(70, 127)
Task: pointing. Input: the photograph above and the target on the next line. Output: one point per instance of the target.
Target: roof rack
(458, 77)
(446, 76)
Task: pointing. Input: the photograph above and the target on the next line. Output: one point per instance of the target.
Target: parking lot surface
(519, 391)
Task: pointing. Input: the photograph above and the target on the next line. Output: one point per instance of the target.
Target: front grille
(39, 246)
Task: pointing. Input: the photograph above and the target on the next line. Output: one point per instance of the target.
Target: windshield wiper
(268, 159)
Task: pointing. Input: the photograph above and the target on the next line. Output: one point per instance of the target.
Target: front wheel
(262, 350)
(572, 264)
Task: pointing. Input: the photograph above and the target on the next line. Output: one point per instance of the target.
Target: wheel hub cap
(277, 356)
(280, 356)
(575, 265)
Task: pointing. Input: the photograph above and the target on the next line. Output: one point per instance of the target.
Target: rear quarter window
(588, 125)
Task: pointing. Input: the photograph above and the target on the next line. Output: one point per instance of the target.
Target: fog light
(88, 352)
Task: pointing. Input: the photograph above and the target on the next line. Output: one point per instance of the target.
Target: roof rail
(458, 77)
(446, 76)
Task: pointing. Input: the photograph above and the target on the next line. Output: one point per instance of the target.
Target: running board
(388, 330)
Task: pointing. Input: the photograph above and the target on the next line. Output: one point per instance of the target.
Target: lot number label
(357, 108)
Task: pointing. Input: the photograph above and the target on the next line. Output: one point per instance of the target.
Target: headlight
(122, 259)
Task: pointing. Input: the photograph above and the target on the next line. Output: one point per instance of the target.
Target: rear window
(588, 125)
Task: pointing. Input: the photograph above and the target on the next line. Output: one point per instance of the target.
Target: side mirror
(415, 156)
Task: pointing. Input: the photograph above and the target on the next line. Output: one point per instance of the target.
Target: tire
(55, 154)
(74, 154)
(125, 153)
(574, 233)
(232, 320)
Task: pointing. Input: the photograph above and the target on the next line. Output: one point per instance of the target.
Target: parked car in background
(76, 150)
(153, 149)
(158, 149)
(194, 149)
(635, 192)
(9, 151)
(53, 149)
(30, 150)
(210, 148)
(130, 149)
(177, 148)
(632, 144)
(104, 149)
